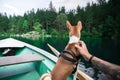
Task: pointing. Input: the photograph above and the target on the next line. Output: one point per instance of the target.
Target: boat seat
(11, 60)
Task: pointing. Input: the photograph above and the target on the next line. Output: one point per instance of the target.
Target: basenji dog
(69, 58)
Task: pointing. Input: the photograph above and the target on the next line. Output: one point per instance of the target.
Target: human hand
(83, 50)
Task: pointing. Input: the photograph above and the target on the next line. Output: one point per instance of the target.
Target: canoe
(22, 61)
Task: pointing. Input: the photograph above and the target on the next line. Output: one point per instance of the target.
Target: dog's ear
(79, 24)
(68, 24)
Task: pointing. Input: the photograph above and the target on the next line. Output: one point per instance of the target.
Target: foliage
(85, 33)
(60, 22)
(100, 19)
(37, 27)
(25, 25)
(4, 22)
(54, 32)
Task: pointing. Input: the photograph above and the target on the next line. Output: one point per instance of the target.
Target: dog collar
(73, 60)
(73, 39)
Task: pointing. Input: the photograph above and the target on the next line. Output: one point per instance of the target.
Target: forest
(101, 20)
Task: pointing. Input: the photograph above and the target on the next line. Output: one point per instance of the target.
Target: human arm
(111, 70)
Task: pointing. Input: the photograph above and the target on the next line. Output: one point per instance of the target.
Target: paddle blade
(56, 52)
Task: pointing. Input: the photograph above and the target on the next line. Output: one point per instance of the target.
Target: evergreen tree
(51, 7)
(25, 26)
(62, 10)
(61, 22)
(4, 23)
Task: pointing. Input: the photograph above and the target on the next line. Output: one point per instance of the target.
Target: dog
(69, 58)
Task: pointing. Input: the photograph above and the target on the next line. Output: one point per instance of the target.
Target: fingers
(77, 46)
(82, 44)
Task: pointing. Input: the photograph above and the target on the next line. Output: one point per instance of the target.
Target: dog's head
(74, 36)
(74, 30)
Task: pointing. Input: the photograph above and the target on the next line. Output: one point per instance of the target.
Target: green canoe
(22, 61)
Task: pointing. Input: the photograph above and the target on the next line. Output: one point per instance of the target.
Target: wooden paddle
(56, 52)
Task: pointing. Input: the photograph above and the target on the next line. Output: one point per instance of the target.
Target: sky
(19, 7)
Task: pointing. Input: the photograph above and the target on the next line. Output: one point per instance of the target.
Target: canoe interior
(26, 71)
